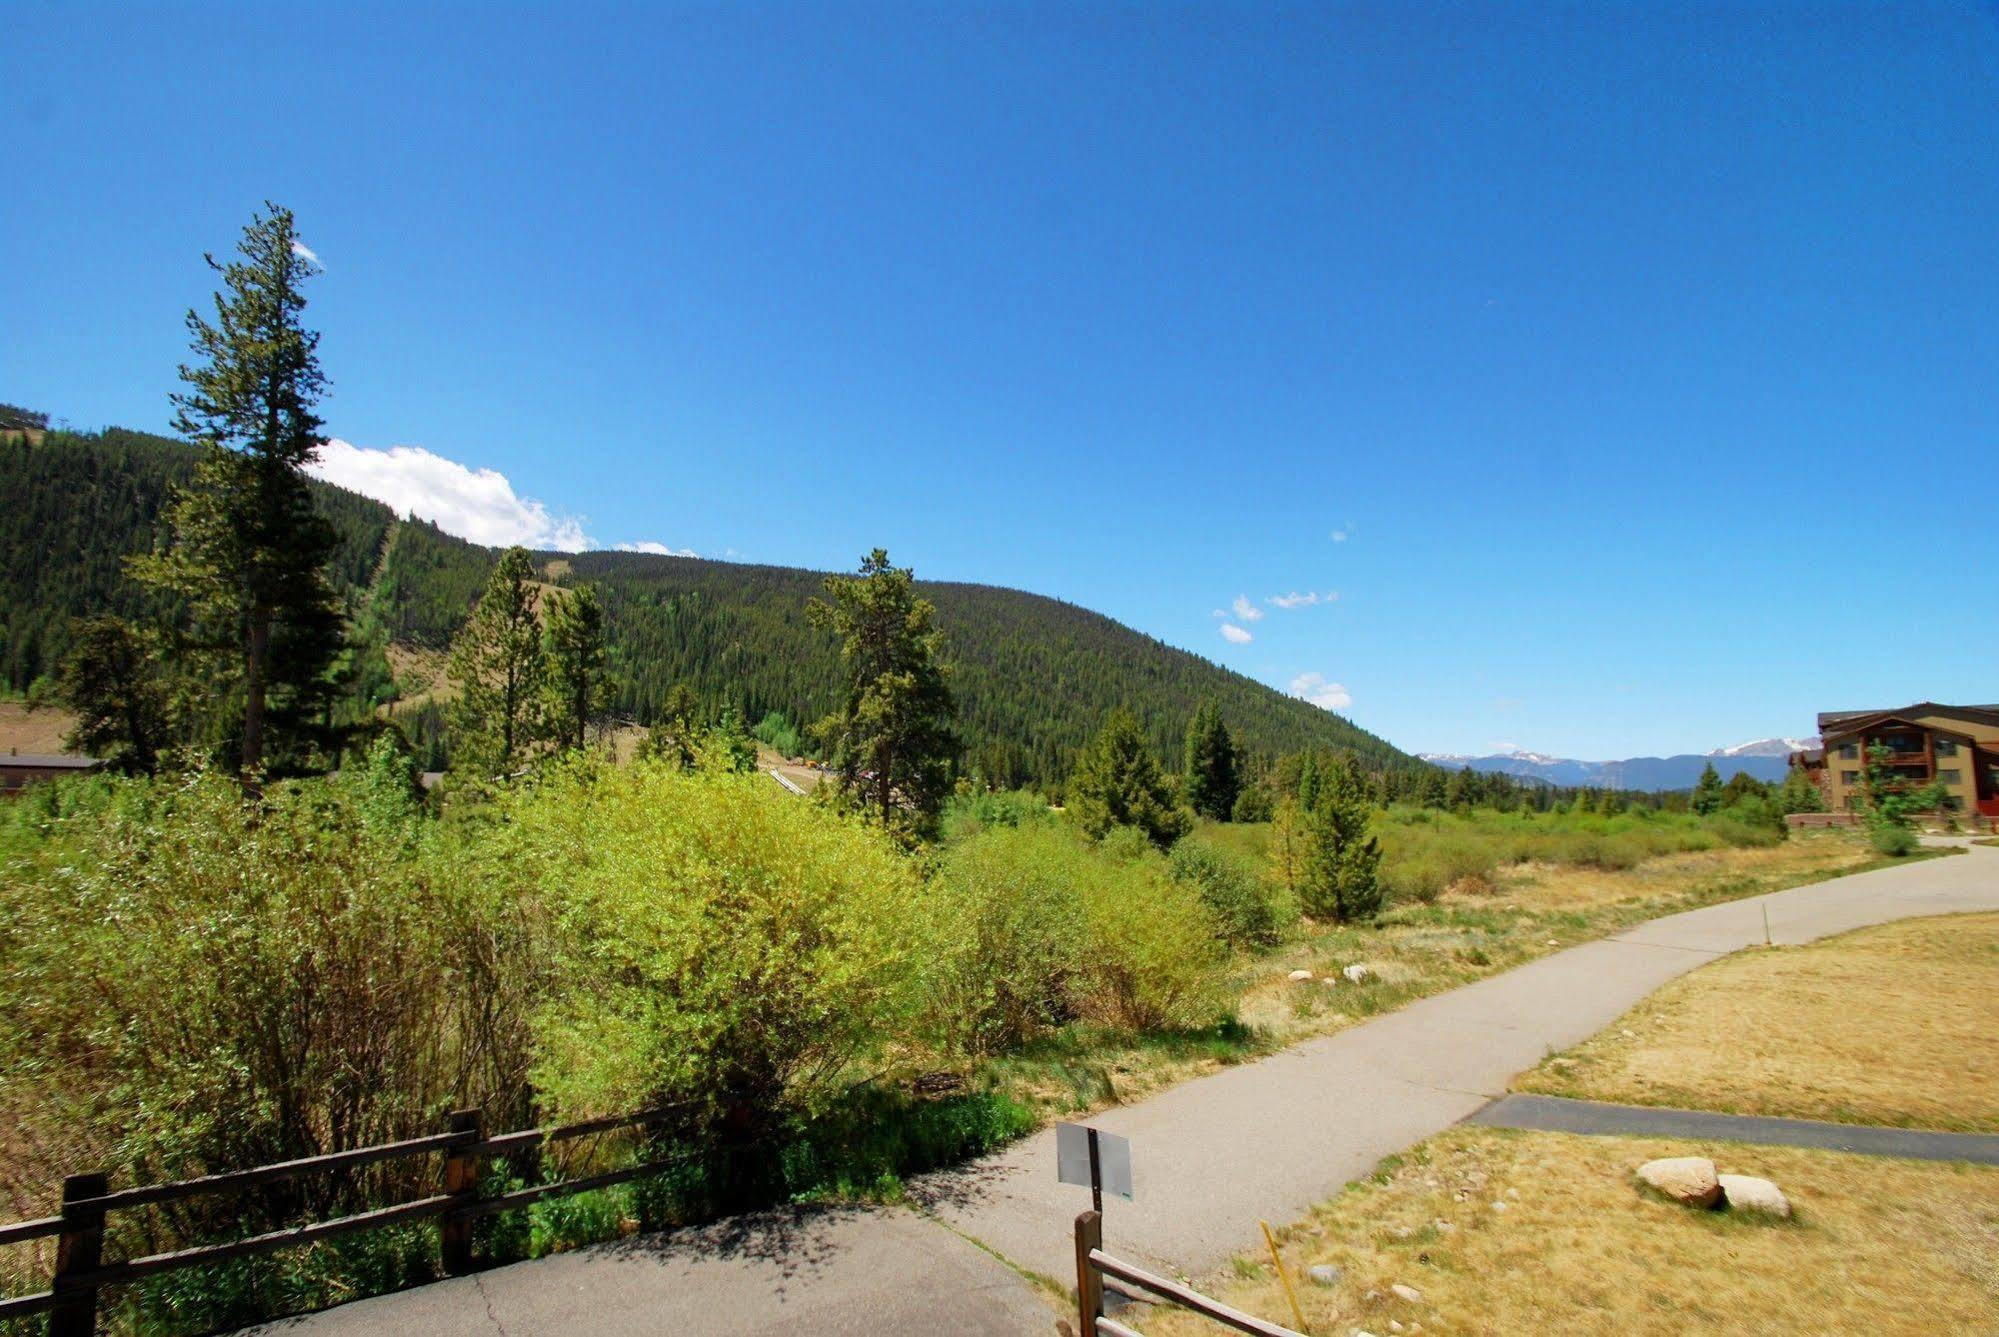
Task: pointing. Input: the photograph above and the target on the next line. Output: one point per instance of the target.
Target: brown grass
(39, 730)
(1874, 1246)
(1887, 1025)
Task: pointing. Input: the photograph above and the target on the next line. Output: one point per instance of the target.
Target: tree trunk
(254, 663)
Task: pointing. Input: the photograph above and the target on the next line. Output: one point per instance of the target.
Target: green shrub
(1891, 840)
(968, 814)
(1228, 886)
(711, 940)
(1038, 927)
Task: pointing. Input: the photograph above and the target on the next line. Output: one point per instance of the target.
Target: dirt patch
(40, 730)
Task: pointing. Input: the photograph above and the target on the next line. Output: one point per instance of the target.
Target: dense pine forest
(1035, 677)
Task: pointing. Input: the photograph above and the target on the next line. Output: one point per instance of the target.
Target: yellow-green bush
(710, 940)
(1038, 928)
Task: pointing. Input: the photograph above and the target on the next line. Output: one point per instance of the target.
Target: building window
(1946, 747)
(1949, 775)
(1849, 777)
(1849, 752)
(1902, 742)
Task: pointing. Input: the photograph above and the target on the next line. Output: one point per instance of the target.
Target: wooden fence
(1093, 1265)
(80, 1272)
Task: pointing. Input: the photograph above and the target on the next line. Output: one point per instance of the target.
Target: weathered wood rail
(80, 1272)
(1093, 1265)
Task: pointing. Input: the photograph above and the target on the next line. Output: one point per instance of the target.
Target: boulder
(1686, 1179)
(1299, 975)
(1357, 973)
(1746, 1193)
(1409, 1293)
(1324, 1274)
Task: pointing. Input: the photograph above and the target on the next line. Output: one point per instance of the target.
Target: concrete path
(1556, 1114)
(1264, 1140)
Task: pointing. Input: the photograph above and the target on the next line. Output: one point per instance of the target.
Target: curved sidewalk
(1210, 1157)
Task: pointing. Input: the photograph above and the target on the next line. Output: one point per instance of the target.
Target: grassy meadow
(199, 984)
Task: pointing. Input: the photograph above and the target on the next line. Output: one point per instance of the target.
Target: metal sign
(1101, 1161)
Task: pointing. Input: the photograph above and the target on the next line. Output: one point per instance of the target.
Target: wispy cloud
(306, 252)
(1235, 635)
(1343, 533)
(1305, 600)
(1326, 695)
(658, 549)
(1246, 609)
(475, 504)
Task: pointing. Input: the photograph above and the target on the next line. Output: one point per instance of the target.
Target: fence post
(461, 1181)
(1089, 1281)
(79, 1248)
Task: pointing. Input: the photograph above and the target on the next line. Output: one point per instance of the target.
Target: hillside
(1649, 774)
(1034, 676)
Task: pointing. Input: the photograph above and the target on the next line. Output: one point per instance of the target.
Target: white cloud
(1344, 533)
(475, 504)
(304, 251)
(1235, 635)
(1305, 600)
(1313, 687)
(658, 549)
(1245, 609)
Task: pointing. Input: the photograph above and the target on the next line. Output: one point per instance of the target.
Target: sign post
(1085, 1155)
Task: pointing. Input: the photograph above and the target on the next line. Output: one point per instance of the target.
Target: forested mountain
(1034, 676)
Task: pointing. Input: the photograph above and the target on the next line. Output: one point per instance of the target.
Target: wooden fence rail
(1093, 1265)
(81, 1272)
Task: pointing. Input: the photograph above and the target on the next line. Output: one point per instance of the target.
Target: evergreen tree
(891, 743)
(676, 735)
(1287, 845)
(1340, 873)
(578, 685)
(1800, 792)
(731, 745)
(1458, 789)
(249, 553)
(1213, 782)
(1118, 782)
(1740, 786)
(1708, 792)
(499, 666)
(1308, 782)
(111, 684)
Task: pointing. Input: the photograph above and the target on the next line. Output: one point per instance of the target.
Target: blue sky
(1630, 373)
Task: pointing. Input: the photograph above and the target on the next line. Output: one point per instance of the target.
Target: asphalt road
(1210, 1157)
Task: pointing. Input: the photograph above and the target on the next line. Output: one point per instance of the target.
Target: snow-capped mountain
(1764, 759)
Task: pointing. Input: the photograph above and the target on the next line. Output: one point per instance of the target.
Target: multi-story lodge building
(1956, 747)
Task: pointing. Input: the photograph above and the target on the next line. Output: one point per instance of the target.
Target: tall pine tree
(1213, 781)
(578, 682)
(891, 742)
(1118, 782)
(500, 668)
(248, 553)
(1341, 874)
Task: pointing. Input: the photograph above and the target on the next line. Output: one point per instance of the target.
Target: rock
(1629, 1034)
(1746, 1193)
(1395, 1325)
(1409, 1293)
(1325, 1274)
(1500, 1204)
(1684, 1179)
(1357, 973)
(1298, 975)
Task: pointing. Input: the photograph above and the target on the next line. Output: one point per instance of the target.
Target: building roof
(1847, 721)
(49, 761)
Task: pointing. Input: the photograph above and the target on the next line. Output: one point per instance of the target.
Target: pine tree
(1707, 791)
(1800, 792)
(676, 735)
(1340, 872)
(578, 685)
(248, 553)
(112, 685)
(1308, 782)
(730, 745)
(1118, 782)
(499, 666)
(891, 742)
(1213, 782)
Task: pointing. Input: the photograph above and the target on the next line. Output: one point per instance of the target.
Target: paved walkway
(1210, 1157)
(1555, 1114)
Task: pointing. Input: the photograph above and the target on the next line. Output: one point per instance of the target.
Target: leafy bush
(968, 814)
(712, 940)
(1229, 887)
(1893, 841)
(777, 730)
(1039, 928)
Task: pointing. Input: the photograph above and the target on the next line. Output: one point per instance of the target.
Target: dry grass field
(1511, 1232)
(1889, 1025)
(39, 730)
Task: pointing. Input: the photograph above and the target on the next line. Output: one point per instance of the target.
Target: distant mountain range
(1763, 758)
